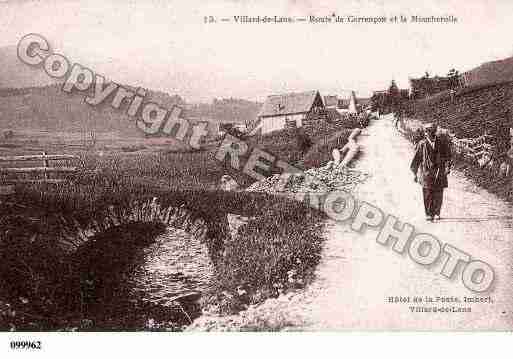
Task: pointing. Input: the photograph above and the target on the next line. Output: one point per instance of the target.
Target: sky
(165, 45)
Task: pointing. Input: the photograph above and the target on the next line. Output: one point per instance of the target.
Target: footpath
(357, 275)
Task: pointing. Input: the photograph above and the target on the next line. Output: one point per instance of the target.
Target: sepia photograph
(192, 168)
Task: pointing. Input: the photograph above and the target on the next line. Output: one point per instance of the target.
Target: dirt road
(357, 275)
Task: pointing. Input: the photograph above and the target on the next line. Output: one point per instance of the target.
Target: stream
(143, 296)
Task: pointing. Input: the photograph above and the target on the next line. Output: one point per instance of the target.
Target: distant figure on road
(430, 166)
(397, 120)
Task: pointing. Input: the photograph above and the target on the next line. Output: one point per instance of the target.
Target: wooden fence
(475, 150)
(7, 184)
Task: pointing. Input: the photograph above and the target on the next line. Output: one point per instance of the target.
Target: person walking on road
(430, 165)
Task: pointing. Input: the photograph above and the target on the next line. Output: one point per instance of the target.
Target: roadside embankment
(273, 312)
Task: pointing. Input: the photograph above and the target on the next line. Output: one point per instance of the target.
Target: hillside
(491, 72)
(30, 99)
(48, 108)
(226, 110)
(471, 111)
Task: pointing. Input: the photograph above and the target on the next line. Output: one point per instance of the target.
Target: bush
(321, 152)
(304, 147)
(270, 254)
(283, 144)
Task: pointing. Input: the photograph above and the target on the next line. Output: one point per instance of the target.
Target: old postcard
(191, 166)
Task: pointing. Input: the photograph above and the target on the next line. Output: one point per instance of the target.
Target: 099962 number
(25, 345)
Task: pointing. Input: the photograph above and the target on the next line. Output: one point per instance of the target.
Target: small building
(331, 101)
(349, 105)
(281, 111)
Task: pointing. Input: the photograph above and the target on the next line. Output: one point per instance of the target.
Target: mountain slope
(30, 99)
(491, 72)
(16, 74)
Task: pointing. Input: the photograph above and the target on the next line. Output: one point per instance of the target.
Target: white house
(279, 111)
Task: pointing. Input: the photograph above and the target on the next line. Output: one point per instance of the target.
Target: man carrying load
(430, 165)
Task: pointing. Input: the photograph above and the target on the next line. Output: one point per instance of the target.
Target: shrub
(321, 152)
(290, 144)
(270, 254)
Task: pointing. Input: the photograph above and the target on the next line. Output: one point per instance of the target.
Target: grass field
(276, 250)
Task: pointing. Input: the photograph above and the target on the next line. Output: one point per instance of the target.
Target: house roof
(291, 103)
